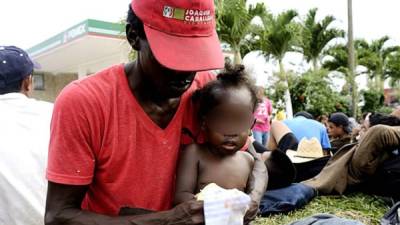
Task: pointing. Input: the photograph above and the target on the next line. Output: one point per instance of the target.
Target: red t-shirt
(101, 137)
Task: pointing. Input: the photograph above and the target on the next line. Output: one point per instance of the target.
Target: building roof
(84, 48)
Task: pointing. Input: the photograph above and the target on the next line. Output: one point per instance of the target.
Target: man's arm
(257, 184)
(63, 206)
(186, 176)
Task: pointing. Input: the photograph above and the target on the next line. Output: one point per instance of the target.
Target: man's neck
(143, 89)
(26, 93)
(159, 108)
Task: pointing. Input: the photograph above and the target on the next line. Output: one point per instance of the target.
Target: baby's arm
(187, 173)
(249, 160)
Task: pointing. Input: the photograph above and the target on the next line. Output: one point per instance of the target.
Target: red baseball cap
(181, 33)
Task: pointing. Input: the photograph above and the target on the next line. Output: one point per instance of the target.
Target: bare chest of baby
(231, 171)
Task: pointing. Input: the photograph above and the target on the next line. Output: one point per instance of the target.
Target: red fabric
(101, 137)
(181, 33)
(263, 112)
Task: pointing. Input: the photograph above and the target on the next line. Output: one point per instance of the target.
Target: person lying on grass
(226, 107)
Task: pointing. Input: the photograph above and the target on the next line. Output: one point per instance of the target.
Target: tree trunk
(315, 64)
(379, 82)
(288, 100)
(237, 58)
(350, 46)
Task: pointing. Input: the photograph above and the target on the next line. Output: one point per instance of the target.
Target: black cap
(304, 114)
(15, 65)
(341, 119)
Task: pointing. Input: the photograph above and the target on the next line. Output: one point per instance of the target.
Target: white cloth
(24, 139)
(225, 207)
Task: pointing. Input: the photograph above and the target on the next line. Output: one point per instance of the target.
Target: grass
(364, 208)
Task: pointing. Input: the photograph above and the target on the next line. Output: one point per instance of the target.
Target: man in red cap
(115, 136)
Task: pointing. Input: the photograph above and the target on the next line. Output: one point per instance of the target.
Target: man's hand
(190, 213)
(63, 206)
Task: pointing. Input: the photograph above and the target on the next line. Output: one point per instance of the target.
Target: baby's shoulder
(195, 149)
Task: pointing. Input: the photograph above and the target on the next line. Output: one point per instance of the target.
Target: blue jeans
(261, 137)
(286, 199)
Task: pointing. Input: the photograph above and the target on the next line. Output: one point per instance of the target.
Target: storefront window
(38, 82)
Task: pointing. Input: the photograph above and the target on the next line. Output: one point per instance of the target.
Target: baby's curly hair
(211, 94)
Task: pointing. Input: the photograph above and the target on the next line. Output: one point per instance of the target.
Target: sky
(25, 23)
(372, 19)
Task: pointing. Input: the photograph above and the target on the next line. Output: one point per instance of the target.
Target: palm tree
(374, 58)
(278, 38)
(234, 23)
(338, 61)
(392, 69)
(316, 35)
(339, 58)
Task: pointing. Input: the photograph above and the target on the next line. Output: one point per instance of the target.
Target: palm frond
(278, 35)
(234, 21)
(316, 35)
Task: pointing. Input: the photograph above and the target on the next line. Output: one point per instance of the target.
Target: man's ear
(27, 85)
(132, 36)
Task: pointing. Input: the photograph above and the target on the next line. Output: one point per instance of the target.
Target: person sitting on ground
(371, 119)
(353, 163)
(380, 118)
(339, 130)
(283, 139)
(225, 109)
(356, 163)
(324, 120)
(303, 125)
(359, 130)
(396, 112)
(386, 180)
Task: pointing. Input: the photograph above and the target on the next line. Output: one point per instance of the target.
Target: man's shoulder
(18, 102)
(312, 122)
(290, 122)
(104, 77)
(319, 125)
(90, 87)
(39, 102)
(43, 106)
